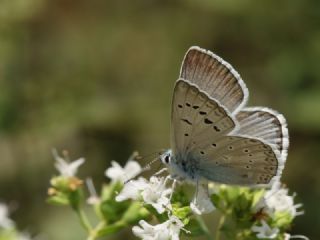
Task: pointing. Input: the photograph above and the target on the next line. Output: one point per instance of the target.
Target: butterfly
(214, 136)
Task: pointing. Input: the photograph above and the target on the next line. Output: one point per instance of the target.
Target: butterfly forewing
(195, 117)
(217, 77)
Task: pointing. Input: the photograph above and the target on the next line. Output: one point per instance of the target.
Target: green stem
(220, 224)
(84, 220)
(90, 237)
(204, 227)
(95, 232)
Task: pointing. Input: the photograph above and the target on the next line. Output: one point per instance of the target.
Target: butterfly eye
(166, 159)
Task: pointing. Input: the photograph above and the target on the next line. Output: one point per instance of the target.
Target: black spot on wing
(186, 121)
(207, 121)
(216, 129)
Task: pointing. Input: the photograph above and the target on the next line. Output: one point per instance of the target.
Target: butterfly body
(182, 167)
(214, 137)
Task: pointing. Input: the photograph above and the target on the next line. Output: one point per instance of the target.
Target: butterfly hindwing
(266, 124)
(210, 72)
(237, 160)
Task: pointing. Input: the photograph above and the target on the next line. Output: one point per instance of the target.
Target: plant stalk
(220, 224)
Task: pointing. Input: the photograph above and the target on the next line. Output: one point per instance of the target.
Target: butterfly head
(166, 157)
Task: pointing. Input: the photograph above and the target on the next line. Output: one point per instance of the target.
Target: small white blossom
(202, 202)
(5, 221)
(65, 168)
(94, 198)
(122, 174)
(153, 192)
(277, 200)
(265, 231)
(157, 194)
(132, 190)
(168, 230)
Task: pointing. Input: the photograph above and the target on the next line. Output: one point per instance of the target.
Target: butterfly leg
(172, 189)
(160, 171)
(197, 192)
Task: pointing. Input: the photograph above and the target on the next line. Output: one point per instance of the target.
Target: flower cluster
(157, 209)
(66, 187)
(279, 209)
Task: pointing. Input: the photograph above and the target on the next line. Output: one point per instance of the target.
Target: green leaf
(60, 199)
(257, 195)
(110, 191)
(160, 217)
(112, 211)
(75, 197)
(111, 229)
(180, 197)
(135, 213)
(282, 219)
(182, 212)
(196, 228)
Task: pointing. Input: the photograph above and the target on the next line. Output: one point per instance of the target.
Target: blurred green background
(96, 78)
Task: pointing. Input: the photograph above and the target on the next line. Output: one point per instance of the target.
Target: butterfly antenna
(147, 167)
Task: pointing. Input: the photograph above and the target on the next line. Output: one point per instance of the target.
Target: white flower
(94, 198)
(153, 192)
(168, 230)
(202, 202)
(132, 190)
(5, 221)
(65, 168)
(156, 194)
(265, 231)
(122, 174)
(277, 200)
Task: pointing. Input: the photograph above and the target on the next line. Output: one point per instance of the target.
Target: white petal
(132, 169)
(5, 221)
(265, 231)
(201, 203)
(67, 169)
(115, 172)
(73, 166)
(149, 232)
(132, 189)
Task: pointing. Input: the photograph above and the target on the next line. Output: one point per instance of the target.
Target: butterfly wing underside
(203, 132)
(217, 77)
(268, 125)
